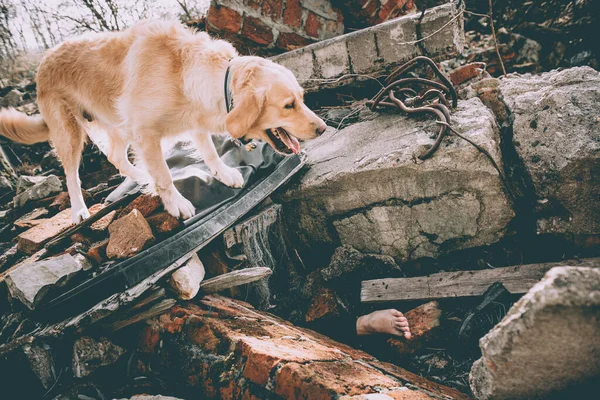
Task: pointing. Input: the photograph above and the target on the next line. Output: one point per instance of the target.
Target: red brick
(102, 224)
(324, 305)
(329, 380)
(272, 9)
(292, 15)
(292, 41)
(97, 252)
(146, 204)
(33, 239)
(163, 223)
(149, 338)
(416, 380)
(255, 30)
(466, 72)
(424, 321)
(224, 19)
(312, 24)
(264, 354)
(394, 8)
(128, 236)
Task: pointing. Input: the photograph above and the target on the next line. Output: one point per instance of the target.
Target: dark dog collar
(229, 101)
(227, 90)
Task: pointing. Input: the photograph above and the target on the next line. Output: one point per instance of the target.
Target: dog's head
(269, 105)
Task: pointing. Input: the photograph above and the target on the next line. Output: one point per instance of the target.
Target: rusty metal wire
(431, 97)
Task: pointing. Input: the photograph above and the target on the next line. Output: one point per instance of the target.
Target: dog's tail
(22, 128)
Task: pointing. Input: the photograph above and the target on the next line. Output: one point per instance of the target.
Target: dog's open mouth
(284, 142)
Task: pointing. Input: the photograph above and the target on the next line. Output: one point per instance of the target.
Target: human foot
(383, 321)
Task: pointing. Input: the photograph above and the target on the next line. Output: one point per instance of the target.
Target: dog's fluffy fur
(152, 81)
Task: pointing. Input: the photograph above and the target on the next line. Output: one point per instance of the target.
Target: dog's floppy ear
(248, 106)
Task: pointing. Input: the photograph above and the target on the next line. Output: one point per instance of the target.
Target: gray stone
(332, 60)
(41, 363)
(376, 49)
(5, 185)
(30, 282)
(364, 188)
(14, 98)
(557, 136)
(549, 340)
(90, 354)
(31, 188)
(347, 262)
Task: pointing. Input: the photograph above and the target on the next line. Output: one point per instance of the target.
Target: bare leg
(151, 154)
(383, 321)
(229, 176)
(67, 136)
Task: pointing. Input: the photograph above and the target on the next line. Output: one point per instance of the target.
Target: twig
(495, 40)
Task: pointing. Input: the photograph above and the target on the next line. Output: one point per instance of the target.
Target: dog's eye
(291, 105)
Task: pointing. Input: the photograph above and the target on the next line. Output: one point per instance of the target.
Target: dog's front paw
(79, 215)
(177, 205)
(230, 176)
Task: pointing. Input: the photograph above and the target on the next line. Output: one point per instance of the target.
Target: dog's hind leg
(150, 152)
(68, 137)
(117, 155)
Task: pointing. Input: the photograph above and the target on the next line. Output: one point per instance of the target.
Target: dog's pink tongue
(291, 142)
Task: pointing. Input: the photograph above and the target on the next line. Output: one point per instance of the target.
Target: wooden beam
(516, 279)
(234, 278)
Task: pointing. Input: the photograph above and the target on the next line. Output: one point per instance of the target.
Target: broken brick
(466, 72)
(312, 25)
(292, 41)
(33, 239)
(97, 252)
(146, 204)
(224, 19)
(324, 305)
(128, 235)
(163, 223)
(255, 30)
(103, 223)
(292, 15)
(424, 322)
(31, 219)
(272, 9)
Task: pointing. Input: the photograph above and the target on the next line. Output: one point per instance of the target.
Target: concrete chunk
(362, 188)
(30, 282)
(377, 49)
(549, 340)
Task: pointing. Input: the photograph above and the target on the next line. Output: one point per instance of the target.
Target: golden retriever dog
(153, 81)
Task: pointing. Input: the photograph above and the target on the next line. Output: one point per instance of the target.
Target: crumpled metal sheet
(194, 180)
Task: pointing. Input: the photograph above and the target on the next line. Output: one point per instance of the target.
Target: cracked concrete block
(376, 49)
(363, 188)
(332, 59)
(362, 49)
(556, 135)
(438, 36)
(301, 63)
(548, 342)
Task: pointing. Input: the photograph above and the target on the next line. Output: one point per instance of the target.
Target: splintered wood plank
(234, 278)
(516, 279)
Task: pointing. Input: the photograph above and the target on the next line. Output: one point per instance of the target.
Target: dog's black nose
(320, 129)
